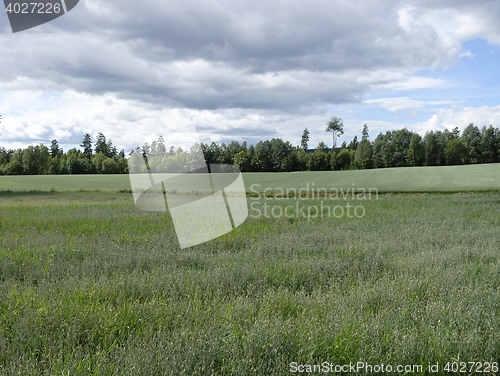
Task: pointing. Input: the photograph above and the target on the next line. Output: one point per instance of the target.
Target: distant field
(484, 177)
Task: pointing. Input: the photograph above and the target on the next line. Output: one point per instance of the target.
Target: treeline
(401, 148)
(100, 158)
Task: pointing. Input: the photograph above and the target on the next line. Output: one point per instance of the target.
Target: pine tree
(54, 149)
(305, 139)
(160, 148)
(100, 145)
(87, 146)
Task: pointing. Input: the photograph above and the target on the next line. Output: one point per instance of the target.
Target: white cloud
(450, 118)
(413, 82)
(239, 70)
(397, 103)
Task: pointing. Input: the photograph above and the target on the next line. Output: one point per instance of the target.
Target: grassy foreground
(485, 177)
(90, 285)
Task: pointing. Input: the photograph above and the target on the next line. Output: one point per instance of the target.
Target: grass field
(484, 177)
(90, 285)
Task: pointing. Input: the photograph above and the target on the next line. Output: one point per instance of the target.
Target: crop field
(91, 285)
(484, 177)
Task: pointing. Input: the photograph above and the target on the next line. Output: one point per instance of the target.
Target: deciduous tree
(336, 126)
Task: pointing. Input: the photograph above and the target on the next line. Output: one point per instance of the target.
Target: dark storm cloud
(221, 54)
(291, 59)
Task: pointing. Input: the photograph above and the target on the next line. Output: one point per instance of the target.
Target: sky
(248, 71)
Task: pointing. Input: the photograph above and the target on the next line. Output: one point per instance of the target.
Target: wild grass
(96, 287)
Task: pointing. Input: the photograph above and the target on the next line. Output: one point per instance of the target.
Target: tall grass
(100, 288)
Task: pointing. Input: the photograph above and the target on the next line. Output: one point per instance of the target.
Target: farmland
(485, 177)
(90, 285)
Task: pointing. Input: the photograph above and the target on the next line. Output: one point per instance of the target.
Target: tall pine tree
(87, 146)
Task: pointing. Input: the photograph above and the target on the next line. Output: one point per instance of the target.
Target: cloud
(239, 70)
(197, 54)
(413, 82)
(396, 104)
(450, 118)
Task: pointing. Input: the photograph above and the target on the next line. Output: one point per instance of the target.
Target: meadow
(483, 177)
(90, 285)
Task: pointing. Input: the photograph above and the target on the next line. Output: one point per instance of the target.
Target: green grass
(90, 285)
(66, 183)
(484, 177)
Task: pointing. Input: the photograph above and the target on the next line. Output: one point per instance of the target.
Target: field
(484, 177)
(90, 285)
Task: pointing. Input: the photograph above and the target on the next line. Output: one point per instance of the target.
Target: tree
(146, 149)
(54, 149)
(378, 145)
(471, 138)
(353, 145)
(135, 162)
(432, 152)
(400, 144)
(322, 147)
(98, 160)
(154, 146)
(364, 152)
(490, 143)
(100, 145)
(112, 151)
(279, 151)
(302, 158)
(122, 165)
(290, 163)
(232, 149)
(455, 152)
(55, 166)
(160, 148)
(319, 159)
(109, 166)
(15, 165)
(342, 160)
(336, 126)
(242, 160)
(305, 140)
(75, 164)
(87, 146)
(364, 133)
(36, 160)
(416, 152)
(384, 150)
(262, 156)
